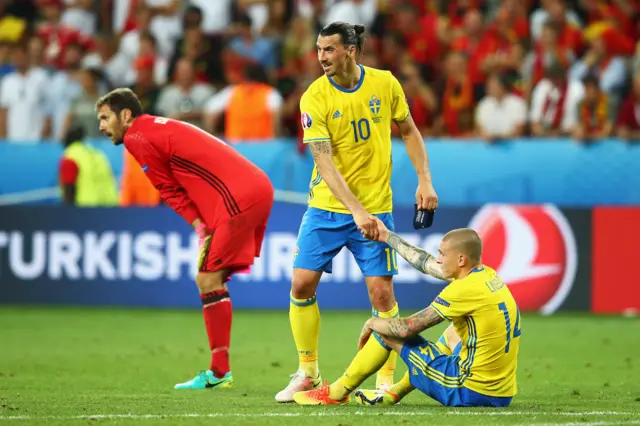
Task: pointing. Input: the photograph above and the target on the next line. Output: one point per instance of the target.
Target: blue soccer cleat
(206, 379)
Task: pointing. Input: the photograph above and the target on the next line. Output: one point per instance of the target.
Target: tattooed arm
(323, 156)
(403, 328)
(417, 257)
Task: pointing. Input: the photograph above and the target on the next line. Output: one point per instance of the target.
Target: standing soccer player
(347, 116)
(226, 199)
(474, 363)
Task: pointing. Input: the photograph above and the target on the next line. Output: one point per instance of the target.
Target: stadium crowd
(237, 68)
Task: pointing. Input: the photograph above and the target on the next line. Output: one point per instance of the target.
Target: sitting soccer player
(476, 369)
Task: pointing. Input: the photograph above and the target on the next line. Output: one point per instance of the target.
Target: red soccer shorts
(236, 242)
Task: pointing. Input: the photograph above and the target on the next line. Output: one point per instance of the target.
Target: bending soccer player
(476, 369)
(347, 116)
(225, 197)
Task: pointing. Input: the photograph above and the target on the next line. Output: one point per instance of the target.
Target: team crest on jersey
(374, 106)
(306, 120)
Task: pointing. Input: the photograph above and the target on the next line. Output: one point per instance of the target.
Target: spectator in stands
(352, 11)
(216, 15)
(23, 101)
(542, 16)
(252, 101)
(629, 117)
(64, 87)
(80, 15)
(470, 41)
(554, 103)
(164, 18)
(204, 50)
(278, 19)
(106, 57)
(546, 50)
(185, 99)
(145, 86)
(82, 111)
(570, 33)
(422, 101)
(457, 98)
(6, 66)
(502, 49)
(501, 114)
(85, 175)
(299, 42)
(56, 35)
(256, 48)
(595, 112)
(35, 49)
(130, 41)
(425, 37)
(393, 52)
(148, 49)
(600, 61)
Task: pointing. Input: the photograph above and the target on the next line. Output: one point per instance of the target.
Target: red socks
(217, 319)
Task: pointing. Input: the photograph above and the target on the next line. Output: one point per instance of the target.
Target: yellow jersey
(358, 124)
(486, 317)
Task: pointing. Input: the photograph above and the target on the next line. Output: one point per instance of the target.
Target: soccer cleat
(375, 397)
(205, 380)
(299, 382)
(319, 396)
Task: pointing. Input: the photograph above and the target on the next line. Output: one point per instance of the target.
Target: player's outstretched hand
(383, 232)
(426, 197)
(364, 335)
(367, 225)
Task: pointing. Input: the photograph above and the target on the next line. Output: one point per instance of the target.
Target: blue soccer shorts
(438, 375)
(323, 234)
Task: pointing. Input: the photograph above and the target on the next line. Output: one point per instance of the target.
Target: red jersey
(198, 175)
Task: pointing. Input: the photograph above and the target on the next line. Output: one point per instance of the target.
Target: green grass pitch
(117, 366)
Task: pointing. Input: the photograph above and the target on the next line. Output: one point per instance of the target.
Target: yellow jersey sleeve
(399, 105)
(313, 119)
(455, 300)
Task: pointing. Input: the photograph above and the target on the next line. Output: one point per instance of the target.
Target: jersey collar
(342, 89)
(478, 269)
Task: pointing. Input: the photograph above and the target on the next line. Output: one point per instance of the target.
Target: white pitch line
(372, 412)
(603, 423)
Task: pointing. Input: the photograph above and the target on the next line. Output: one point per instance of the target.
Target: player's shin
(367, 361)
(304, 316)
(217, 312)
(385, 378)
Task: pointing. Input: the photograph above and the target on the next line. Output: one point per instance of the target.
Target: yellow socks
(403, 387)
(304, 316)
(370, 358)
(385, 374)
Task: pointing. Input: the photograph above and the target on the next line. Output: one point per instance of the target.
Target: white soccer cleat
(299, 382)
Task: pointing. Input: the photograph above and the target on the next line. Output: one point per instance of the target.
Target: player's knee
(208, 282)
(304, 284)
(381, 296)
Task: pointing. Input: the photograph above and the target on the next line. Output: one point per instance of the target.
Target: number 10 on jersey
(361, 128)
